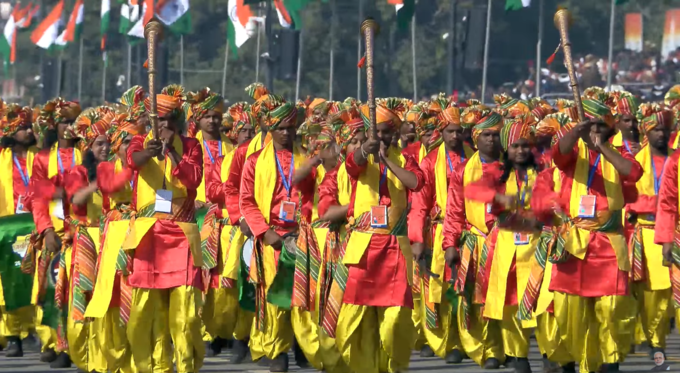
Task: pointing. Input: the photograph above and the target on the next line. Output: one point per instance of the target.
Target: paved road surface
(639, 362)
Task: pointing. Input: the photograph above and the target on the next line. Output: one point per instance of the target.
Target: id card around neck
(58, 211)
(586, 206)
(521, 238)
(21, 208)
(379, 216)
(287, 211)
(163, 201)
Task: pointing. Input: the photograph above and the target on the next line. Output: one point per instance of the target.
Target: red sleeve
(328, 191)
(564, 161)
(635, 169)
(75, 180)
(454, 221)
(136, 145)
(249, 208)
(41, 200)
(233, 184)
(667, 213)
(353, 169)
(412, 165)
(422, 203)
(108, 181)
(483, 190)
(213, 184)
(544, 197)
(190, 168)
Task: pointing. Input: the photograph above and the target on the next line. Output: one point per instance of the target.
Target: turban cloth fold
(481, 118)
(133, 99)
(238, 115)
(595, 105)
(551, 124)
(567, 107)
(274, 110)
(508, 106)
(624, 103)
(540, 108)
(520, 127)
(672, 97)
(203, 101)
(169, 102)
(257, 91)
(347, 124)
(15, 118)
(446, 117)
(58, 111)
(386, 112)
(121, 128)
(92, 123)
(650, 116)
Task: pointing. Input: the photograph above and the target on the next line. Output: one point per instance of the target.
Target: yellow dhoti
(445, 337)
(114, 343)
(482, 341)
(549, 339)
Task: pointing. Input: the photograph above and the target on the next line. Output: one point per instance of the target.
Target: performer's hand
(583, 128)
(154, 147)
(59, 193)
(383, 151)
(273, 239)
(596, 139)
(52, 242)
(508, 201)
(417, 250)
(165, 134)
(199, 204)
(245, 229)
(451, 256)
(667, 250)
(371, 146)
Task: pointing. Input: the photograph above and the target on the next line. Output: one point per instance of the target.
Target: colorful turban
(347, 124)
(672, 97)
(318, 136)
(318, 106)
(387, 111)
(58, 111)
(15, 118)
(541, 108)
(567, 107)
(238, 115)
(416, 114)
(652, 115)
(133, 99)
(444, 118)
(519, 127)
(481, 118)
(551, 124)
(274, 110)
(624, 103)
(508, 106)
(257, 91)
(595, 105)
(169, 102)
(92, 123)
(203, 101)
(121, 128)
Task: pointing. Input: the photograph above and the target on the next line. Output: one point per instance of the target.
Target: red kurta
(231, 188)
(163, 258)
(667, 210)
(379, 280)
(598, 273)
(328, 191)
(413, 150)
(214, 193)
(40, 180)
(18, 187)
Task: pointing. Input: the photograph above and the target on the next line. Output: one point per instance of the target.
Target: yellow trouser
(418, 318)
(277, 337)
(549, 341)
(156, 316)
(17, 323)
(375, 339)
(306, 332)
(83, 347)
(483, 340)
(652, 307)
(595, 330)
(444, 338)
(114, 344)
(47, 335)
(220, 311)
(515, 338)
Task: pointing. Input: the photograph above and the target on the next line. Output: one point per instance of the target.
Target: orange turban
(169, 101)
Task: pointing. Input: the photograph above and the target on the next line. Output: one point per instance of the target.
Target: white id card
(21, 209)
(488, 208)
(58, 209)
(586, 207)
(163, 201)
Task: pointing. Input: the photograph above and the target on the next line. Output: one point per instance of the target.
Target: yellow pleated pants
(515, 338)
(17, 323)
(483, 340)
(83, 345)
(375, 339)
(445, 337)
(277, 336)
(595, 330)
(220, 312)
(156, 317)
(306, 330)
(114, 343)
(652, 307)
(418, 318)
(549, 340)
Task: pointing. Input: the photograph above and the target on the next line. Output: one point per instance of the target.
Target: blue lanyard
(24, 177)
(207, 149)
(657, 180)
(286, 181)
(383, 177)
(61, 165)
(592, 171)
(519, 188)
(627, 145)
(448, 159)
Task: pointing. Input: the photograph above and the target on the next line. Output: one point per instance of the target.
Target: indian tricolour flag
(48, 30)
(8, 42)
(239, 15)
(516, 4)
(31, 11)
(137, 30)
(75, 22)
(175, 14)
(405, 10)
(129, 14)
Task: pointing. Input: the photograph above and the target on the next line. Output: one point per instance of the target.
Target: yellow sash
(367, 196)
(475, 211)
(256, 143)
(344, 186)
(125, 195)
(441, 194)
(645, 185)
(579, 235)
(224, 174)
(422, 152)
(676, 142)
(7, 180)
(230, 255)
(226, 148)
(617, 140)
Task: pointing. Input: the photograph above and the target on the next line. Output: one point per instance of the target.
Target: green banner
(16, 285)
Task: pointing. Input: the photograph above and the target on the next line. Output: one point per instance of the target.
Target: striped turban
(92, 123)
(386, 112)
(508, 106)
(481, 118)
(274, 110)
(347, 124)
(652, 115)
(238, 115)
(15, 118)
(567, 107)
(121, 128)
(257, 91)
(318, 106)
(203, 101)
(169, 102)
(540, 108)
(448, 116)
(318, 136)
(517, 128)
(595, 106)
(58, 111)
(672, 97)
(624, 103)
(133, 99)
(416, 114)
(551, 124)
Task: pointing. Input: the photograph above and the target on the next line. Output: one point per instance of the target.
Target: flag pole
(299, 67)
(413, 57)
(128, 76)
(538, 48)
(224, 69)
(181, 60)
(80, 71)
(612, 18)
(59, 72)
(104, 77)
(486, 50)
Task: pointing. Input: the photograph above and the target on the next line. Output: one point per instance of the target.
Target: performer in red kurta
(595, 276)
(466, 225)
(163, 242)
(49, 211)
(624, 107)
(378, 302)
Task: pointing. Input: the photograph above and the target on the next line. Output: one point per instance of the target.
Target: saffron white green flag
(8, 41)
(175, 14)
(104, 27)
(47, 32)
(239, 15)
